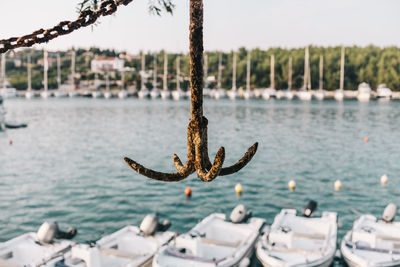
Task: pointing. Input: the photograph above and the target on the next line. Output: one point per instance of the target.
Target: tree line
(371, 64)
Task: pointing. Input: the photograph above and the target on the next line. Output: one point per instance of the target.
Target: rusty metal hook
(197, 140)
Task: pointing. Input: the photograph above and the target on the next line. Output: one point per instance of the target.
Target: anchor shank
(196, 59)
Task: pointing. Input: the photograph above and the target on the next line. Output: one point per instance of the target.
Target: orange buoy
(366, 139)
(238, 189)
(188, 191)
(11, 142)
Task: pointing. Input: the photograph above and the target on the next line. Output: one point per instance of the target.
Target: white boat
(97, 94)
(339, 95)
(107, 94)
(364, 92)
(72, 93)
(214, 241)
(257, 92)
(383, 92)
(177, 95)
(130, 246)
(6, 90)
(265, 95)
(122, 94)
(2, 115)
(271, 91)
(45, 94)
(232, 94)
(29, 94)
(165, 93)
(218, 92)
(144, 93)
(320, 94)
(373, 242)
(299, 240)
(155, 93)
(248, 94)
(37, 249)
(289, 95)
(305, 94)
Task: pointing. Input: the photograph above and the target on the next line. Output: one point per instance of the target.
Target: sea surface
(67, 166)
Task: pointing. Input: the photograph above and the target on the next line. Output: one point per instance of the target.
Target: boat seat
(220, 242)
(4, 263)
(119, 253)
(309, 236)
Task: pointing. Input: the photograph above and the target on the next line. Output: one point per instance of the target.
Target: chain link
(86, 17)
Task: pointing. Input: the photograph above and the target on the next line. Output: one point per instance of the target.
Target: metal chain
(86, 17)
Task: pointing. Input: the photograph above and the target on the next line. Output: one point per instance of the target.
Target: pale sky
(228, 24)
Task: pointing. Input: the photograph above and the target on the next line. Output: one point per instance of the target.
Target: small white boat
(60, 93)
(383, 92)
(155, 93)
(107, 94)
(45, 94)
(214, 241)
(143, 93)
(257, 92)
(37, 249)
(247, 94)
(130, 246)
(319, 95)
(373, 242)
(165, 94)
(304, 95)
(280, 94)
(177, 94)
(73, 93)
(2, 115)
(97, 94)
(232, 94)
(364, 92)
(29, 94)
(218, 93)
(265, 94)
(339, 95)
(8, 92)
(271, 92)
(122, 94)
(299, 240)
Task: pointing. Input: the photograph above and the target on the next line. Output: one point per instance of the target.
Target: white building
(100, 64)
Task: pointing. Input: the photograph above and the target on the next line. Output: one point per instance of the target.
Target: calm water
(68, 164)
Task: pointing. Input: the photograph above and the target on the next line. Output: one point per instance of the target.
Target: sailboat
(383, 92)
(248, 93)
(271, 91)
(304, 93)
(71, 88)
(178, 93)
(206, 89)
(288, 94)
(45, 93)
(320, 95)
(96, 93)
(233, 94)
(107, 94)
(6, 91)
(122, 94)
(143, 92)
(155, 92)
(219, 92)
(165, 93)
(60, 92)
(339, 94)
(29, 94)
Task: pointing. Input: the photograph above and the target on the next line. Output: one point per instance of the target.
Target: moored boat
(383, 92)
(130, 246)
(214, 241)
(364, 92)
(373, 242)
(37, 249)
(294, 240)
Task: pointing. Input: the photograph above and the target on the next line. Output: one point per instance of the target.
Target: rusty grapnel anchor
(197, 146)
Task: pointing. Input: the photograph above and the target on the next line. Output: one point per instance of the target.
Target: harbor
(87, 185)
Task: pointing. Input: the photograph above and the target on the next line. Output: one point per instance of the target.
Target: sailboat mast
(342, 70)
(29, 73)
(155, 72)
(272, 72)
(165, 77)
(290, 74)
(143, 71)
(219, 71)
(178, 73)
(248, 73)
(73, 68)
(205, 70)
(234, 72)
(305, 69)
(58, 71)
(3, 70)
(45, 68)
(321, 72)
